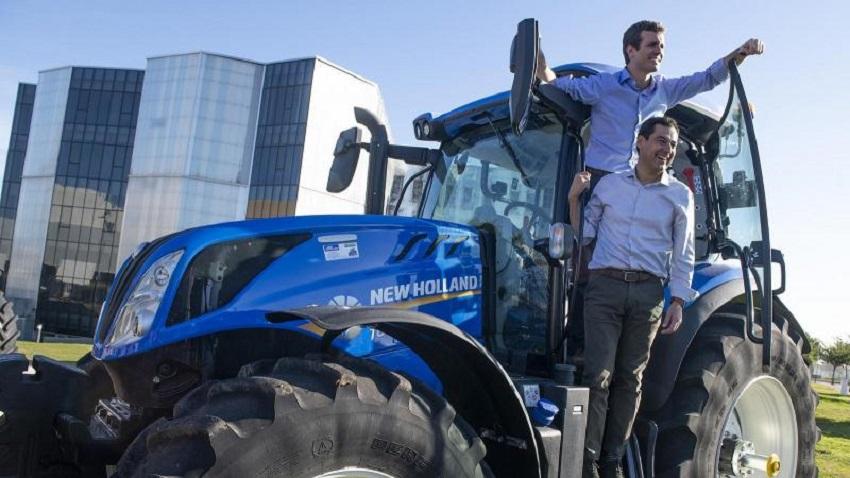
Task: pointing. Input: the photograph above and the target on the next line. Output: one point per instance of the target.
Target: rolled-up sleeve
(685, 87)
(682, 262)
(587, 89)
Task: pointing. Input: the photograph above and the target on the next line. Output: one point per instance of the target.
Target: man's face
(648, 57)
(657, 151)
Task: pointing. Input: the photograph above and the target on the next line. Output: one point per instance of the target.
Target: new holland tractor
(429, 346)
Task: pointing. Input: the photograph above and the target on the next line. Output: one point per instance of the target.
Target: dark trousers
(620, 322)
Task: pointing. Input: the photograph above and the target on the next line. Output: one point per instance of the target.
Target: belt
(623, 275)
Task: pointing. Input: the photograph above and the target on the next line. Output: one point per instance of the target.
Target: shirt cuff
(683, 291)
(719, 70)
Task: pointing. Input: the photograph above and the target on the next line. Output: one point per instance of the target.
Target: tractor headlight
(136, 314)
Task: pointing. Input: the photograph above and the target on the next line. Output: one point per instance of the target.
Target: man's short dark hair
(648, 126)
(633, 34)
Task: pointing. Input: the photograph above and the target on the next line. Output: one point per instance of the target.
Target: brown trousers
(620, 321)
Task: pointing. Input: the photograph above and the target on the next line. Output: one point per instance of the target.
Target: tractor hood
(241, 275)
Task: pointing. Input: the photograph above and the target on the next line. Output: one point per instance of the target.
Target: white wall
(333, 95)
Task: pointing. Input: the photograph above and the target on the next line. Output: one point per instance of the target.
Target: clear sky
(435, 55)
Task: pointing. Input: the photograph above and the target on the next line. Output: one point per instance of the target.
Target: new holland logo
(344, 301)
(413, 290)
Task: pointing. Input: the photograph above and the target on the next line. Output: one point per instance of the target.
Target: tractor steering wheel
(537, 212)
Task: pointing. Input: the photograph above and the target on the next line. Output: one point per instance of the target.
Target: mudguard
(668, 351)
(473, 381)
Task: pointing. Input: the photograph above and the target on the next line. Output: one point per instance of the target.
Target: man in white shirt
(643, 223)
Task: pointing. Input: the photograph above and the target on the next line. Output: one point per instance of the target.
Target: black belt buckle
(631, 276)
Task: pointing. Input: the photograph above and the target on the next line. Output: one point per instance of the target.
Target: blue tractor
(438, 345)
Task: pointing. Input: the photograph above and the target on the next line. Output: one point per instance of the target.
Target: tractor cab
(506, 186)
(504, 165)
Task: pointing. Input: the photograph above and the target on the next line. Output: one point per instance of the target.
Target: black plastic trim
(433, 246)
(407, 247)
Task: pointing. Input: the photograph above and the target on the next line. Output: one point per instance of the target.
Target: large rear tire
(8, 327)
(308, 418)
(722, 392)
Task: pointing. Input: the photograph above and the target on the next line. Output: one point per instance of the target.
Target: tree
(838, 355)
(817, 349)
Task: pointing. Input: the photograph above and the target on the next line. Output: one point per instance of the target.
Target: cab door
(741, 208)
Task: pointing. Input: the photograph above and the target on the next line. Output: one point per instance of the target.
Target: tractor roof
(697, 120)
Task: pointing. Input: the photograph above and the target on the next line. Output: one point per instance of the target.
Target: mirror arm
(414, 155)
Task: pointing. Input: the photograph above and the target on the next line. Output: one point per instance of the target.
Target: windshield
(505, 186)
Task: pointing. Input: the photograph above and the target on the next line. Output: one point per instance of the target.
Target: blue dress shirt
(643, 227)
(618, 108)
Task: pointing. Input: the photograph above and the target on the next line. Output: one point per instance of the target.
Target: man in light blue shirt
(621, 101)
(643, 223)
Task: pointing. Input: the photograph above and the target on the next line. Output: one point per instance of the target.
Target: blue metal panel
(427, 278)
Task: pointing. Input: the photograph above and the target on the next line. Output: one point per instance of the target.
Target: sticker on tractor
(343, 250)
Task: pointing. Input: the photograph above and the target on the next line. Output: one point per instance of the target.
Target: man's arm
(592, 212)
(587, 89)
(682, 88)
(682, 265)
(544, 73)
(581, 182)
(685, 87)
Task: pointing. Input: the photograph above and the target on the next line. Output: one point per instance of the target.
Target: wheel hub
(738, 458)
(760, 434)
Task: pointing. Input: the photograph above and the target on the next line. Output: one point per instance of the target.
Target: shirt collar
(625, 78)
(664, 181)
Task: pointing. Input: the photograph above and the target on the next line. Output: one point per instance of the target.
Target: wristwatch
(677, 300)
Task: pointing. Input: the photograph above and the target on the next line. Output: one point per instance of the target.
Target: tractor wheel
(330, 417)
(723, 401)
(8, 327)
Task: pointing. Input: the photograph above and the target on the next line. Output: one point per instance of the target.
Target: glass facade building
(87, 205)
(194, 145)
(281, 129)
(12, 176)
(72, 177)
(103, 159)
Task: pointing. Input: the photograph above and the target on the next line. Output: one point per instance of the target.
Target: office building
(111, 158)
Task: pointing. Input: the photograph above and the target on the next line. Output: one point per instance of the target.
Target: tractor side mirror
(346, 154)
(523, 65)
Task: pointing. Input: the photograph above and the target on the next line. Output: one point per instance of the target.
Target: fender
(668, 351)
(473, 381)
